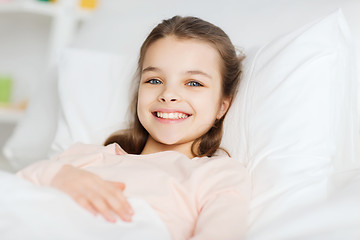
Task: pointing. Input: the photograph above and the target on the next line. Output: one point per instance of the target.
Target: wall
(121, 26)
(23, 50)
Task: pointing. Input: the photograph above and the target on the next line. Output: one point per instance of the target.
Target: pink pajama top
(200, 198)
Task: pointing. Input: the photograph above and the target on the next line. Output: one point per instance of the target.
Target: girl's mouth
(171, 115)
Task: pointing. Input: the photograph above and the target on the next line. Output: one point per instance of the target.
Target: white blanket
(338, 217)
(31, 212)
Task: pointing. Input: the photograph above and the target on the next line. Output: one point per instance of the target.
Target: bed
(294, 123)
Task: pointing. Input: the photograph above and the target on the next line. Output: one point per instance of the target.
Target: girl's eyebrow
(198, 72)
(190, 72)
(151, 69)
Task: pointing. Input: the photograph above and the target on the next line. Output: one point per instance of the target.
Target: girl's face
(179, 93)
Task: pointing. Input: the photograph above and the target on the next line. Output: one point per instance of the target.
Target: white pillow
(33, 135)
(93, 94)
(296, 119)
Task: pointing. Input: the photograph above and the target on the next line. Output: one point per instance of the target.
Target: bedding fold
(28, 211)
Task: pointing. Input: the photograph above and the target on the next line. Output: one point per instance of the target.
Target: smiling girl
(188, 72)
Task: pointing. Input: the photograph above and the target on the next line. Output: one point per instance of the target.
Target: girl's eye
(194, 84)
(154, 81)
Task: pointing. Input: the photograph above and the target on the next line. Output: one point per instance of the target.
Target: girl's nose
(169, 95)
(168, 99)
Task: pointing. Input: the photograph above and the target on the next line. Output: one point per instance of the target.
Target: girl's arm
(223, 217)
(78, 155)
(87, 189)
(224, 201)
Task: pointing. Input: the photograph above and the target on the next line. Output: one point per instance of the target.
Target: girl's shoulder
(222, 163)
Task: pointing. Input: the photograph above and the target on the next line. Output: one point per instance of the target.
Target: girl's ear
(225, 103)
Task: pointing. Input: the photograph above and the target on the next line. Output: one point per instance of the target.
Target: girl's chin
(170, 140)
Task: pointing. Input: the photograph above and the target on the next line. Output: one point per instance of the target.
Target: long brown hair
(134, 138)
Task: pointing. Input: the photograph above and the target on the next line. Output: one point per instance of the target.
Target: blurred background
(33, 33)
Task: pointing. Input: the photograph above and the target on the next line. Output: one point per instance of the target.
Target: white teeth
(174, 115)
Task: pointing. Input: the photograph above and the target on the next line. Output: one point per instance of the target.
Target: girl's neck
(152, 146)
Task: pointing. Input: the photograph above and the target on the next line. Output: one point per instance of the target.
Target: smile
(171, 115)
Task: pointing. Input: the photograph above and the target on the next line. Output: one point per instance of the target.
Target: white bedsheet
(336, 218)
(31, 212)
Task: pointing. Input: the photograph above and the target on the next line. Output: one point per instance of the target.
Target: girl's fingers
(119, 185)
(108, 199)
(86, 204)
(102, 207)
(113, 190)
(127, 206)
(122, 198)
(119, 209)
(118, 203)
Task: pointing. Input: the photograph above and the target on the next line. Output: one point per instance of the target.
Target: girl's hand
(93, 193)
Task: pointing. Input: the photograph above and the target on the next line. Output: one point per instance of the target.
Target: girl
(188, 72)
